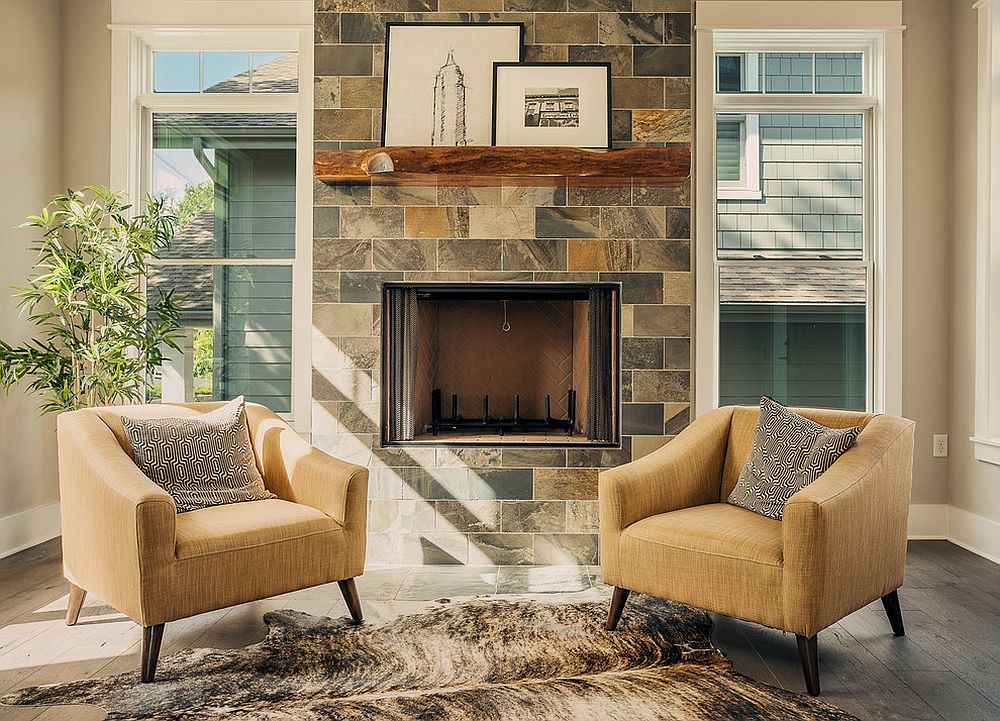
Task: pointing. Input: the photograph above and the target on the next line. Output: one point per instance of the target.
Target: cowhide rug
(485, 658)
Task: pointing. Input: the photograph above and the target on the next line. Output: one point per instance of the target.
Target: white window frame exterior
(875, 29)
(140, 27)
(986, 441)
(748, 186)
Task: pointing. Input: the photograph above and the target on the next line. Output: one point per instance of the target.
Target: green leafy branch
(99, 335)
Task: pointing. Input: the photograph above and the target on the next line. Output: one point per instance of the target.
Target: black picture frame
(605, 65)
(386, 70)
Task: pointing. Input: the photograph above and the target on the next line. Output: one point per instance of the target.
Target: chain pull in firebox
(506, 323)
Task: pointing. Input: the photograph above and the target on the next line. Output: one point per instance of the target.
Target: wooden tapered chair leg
(351, 597)
(76, 598)
(151, 638)
(618, 599)
(810, 662)
(890, 602)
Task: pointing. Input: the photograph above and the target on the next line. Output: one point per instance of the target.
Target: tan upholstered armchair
(667, 531)
(123, 540)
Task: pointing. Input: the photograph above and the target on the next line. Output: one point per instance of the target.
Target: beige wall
(30, 171)
(975, 486)
(927, 52)
(86, 90)
(54, 120)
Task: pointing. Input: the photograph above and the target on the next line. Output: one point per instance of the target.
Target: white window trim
(986, 441)
(140, 25)
(780, 23)
(748, 186)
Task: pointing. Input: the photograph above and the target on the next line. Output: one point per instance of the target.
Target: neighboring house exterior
(790, 187)
(250, 160)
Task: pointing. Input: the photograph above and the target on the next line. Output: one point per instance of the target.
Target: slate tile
(565, 28)
(600, 457)
(661, 386)
(505, 549)
(533, 516)
(559, 549)
(326, 28)
(665, 126)
(360, 92)
(663, 255)
(599, 255)
(404, 195)
(638, 287)
(365, 28)
(631, 28)
(363, 286)
(678, 223)
(633, 222)
(567, 222)
(662, 320)
(533, 457)
(465, 254)
(371, 222)
(670, 60)
(642, 353)
(342, 254)
(677, 353)
(546, 54)
(326, 92)
(542, 254)
(500, 483)
(631, 93)
(565, 483)
(404, 254)
(642, 418)
(678, 28)
(677, 93)
(620, 57)
(358, 194)
(582, 517)
(467, 516)
(342, 60)
(326, 221)
(342, 124)
(436, 222)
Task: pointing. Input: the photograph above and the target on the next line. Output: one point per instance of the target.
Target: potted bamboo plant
(99, 336)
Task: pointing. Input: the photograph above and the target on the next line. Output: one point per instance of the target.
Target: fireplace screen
(499, 364)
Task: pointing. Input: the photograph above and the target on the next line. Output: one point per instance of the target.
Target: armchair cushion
(200, 461)
(219, 529)
(715, 556)
(789, 452)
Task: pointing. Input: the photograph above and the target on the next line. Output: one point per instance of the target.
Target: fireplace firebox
(500, 364)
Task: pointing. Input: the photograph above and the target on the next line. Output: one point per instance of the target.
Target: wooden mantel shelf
(487, 165)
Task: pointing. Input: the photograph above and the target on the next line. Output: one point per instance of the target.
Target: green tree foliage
(203, 350)
(196, 200)
(99, 336)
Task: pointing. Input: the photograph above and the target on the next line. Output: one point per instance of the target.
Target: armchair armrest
(118, 527)
(685, 472)
(844, 535)
(297, 471)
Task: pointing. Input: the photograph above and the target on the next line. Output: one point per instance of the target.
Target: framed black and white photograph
(552, 104)
(439, 80)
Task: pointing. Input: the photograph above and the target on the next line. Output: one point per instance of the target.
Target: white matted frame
(141, 26)
(986, 440)
(873, 28)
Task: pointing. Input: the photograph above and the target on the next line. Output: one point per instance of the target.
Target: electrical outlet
(940, 445)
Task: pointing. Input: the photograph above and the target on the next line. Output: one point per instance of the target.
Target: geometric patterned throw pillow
(789, 452)
(200, 461)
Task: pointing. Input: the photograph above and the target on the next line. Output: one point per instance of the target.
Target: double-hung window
(789, 220)
(219, 128)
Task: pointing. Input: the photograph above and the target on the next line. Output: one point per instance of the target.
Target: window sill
(987, 450)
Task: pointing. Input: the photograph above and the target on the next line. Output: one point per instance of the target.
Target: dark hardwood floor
(946, 667)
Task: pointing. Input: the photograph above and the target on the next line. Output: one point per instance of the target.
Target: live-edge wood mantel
(487, 165)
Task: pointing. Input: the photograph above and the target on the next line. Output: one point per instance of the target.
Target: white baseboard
(28, 528)
(974, 533)
(939, 521)
(928, 521)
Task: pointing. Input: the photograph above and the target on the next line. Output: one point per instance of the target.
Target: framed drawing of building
(552, 104)
(438, 87)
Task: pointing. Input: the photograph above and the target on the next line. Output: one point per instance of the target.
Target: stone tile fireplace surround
(500, 505)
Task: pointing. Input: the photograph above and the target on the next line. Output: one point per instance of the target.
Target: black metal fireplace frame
(472, 291)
